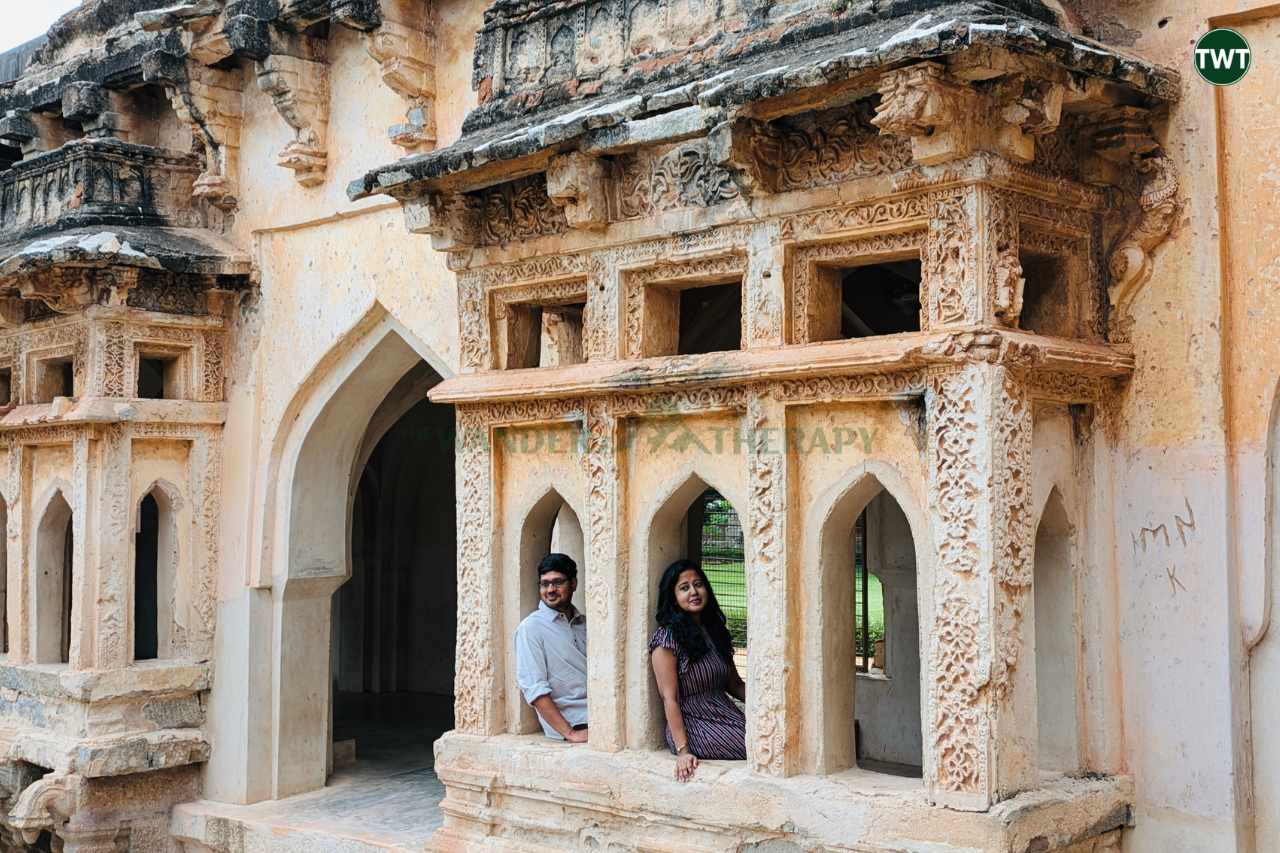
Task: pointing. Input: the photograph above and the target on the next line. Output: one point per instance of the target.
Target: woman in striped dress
(692, 656)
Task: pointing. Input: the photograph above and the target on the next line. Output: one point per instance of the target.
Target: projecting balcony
(102, 204)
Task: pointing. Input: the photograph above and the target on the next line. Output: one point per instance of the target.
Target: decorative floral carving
(830, 146)
(956, 684)
(516, 210)
(838, 388)
(683, 176)
(766, 512)
(948, 263)
(832, 222)
(1013, 528)
(474, 688)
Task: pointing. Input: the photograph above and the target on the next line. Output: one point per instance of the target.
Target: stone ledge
(105, 410)
(144, 680)
(631, 797)
(106, 756)
(885, 354)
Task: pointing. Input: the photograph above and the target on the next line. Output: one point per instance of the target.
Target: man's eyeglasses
(563, 582)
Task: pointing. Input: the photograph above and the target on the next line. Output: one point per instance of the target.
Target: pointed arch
(662, 538)
(156, 604)
(828, 743)
(300, 550)
(536, 527)
(54, 608)
(1055, 622)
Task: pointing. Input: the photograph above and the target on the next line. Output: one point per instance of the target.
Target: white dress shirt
(551, 658)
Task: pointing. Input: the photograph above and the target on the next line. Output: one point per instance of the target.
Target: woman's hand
(686, 763)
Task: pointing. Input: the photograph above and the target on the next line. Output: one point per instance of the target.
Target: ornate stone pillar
(604, 321)
(111, 513)
(606, 578)
(477, 689)
(764, 288)
(18, 587)
(980, 744)
(83, 586)
(768, 590)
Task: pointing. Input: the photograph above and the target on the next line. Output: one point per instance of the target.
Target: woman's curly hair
(686, 631)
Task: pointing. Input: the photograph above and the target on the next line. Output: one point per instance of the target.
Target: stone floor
(386, 800)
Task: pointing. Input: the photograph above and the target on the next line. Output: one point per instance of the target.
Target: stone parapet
(98, 182)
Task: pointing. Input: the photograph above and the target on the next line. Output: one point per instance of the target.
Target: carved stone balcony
(98, 182)
(95, 220)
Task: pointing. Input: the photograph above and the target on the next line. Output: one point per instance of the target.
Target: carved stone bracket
(404, 48)
(938, 112)
(450, 219)
(922, 102)
(577, 183)
(95, 109)
(299, 88)
(210, 101)
(45, 805)
(1124, 146)
(32, 133)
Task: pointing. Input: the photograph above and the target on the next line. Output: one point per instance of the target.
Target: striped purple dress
(714, 724)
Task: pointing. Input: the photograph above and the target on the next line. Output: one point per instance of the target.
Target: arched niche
(664, 539)
(53, 613)
(829, 682)
(1056, 619)
(156, 612)
(307, 557)
(550, 517)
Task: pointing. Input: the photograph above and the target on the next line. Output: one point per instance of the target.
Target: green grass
(728, 580)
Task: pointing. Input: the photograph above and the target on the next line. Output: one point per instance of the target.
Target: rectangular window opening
(878, 299)
(155, 378)
(6, 386)
(55, 377)
(1047, 308)
(709, 319)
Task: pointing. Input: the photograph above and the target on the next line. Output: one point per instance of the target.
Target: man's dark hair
(561, 563)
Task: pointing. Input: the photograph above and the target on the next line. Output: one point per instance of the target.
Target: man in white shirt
(551, 653)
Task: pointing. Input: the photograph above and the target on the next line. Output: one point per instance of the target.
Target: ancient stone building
(322, 320)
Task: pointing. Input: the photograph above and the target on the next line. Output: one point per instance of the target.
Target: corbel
(1129, 262)
(299, 88)
(46, 805)
(749, 150)
(65, 290)
(207, 42)
(33, 133)
(404, 48)
(451, 219)
(98, 110)
(923, 103)
(576, 182)
(209, 100)
(1027, 107)
(13, 311)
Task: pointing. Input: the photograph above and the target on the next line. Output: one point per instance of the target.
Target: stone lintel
(92, 411)
(867, 357)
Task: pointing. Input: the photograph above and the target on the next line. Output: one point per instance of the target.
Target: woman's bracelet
(682, 749)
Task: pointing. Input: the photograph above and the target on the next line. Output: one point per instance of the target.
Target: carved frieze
(651, 181)
(829, 146)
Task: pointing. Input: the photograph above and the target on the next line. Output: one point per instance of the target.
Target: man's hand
(576, 736)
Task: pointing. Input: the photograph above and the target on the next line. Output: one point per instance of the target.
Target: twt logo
(1222, 57)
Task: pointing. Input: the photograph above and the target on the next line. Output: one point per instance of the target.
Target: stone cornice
(888, 354)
